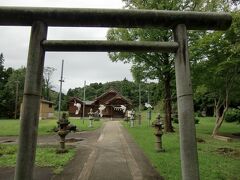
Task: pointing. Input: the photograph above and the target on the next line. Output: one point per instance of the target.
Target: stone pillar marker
(132, 118)
(31, 102)
(90, 118)
(187, 131)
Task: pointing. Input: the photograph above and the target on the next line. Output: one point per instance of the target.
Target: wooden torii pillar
(40, 18)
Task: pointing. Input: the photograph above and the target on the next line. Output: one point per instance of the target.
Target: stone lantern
(62, 132)
(159, 132)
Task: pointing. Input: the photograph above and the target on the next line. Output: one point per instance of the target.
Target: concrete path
(113, 158)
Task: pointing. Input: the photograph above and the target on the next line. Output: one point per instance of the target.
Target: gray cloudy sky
(92, 67)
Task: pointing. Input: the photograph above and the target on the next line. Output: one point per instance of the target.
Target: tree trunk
(219, 119)
(167, 104)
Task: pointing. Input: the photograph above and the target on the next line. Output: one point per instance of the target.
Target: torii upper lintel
(125, 18)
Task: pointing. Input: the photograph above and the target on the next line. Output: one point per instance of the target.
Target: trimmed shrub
(232, 115)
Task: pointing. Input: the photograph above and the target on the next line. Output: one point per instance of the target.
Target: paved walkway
(113, 158)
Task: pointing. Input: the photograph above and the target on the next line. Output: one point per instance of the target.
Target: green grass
(213, 166)
(11, 127)
(45, 157)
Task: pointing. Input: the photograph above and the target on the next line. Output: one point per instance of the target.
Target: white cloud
(92, 67)
(65, 3)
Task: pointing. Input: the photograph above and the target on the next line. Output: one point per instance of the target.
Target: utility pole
(84, 99)
(16, 100)
(60, 92)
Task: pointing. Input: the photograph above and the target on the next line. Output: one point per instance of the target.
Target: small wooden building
(110, 104)
(114, 103)
(46, 110)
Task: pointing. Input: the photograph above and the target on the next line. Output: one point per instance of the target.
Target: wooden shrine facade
(114, 105)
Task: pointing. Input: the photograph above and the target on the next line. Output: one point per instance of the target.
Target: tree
(2, 73)
(4, 93)
(8, 94)
(47, 85)
(151, 65)
(158, 65)
(221, 62)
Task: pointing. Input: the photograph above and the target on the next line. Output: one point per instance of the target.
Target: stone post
(31, 102)
(188, 145)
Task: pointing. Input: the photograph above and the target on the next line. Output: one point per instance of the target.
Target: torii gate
(41, 18)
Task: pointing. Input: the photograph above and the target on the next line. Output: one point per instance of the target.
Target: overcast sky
(92, 67)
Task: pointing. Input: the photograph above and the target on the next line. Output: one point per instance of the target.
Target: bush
(232, 115)
(196, 120)
(175, 120)
(198, 114)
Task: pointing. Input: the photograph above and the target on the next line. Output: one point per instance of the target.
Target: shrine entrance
(40, 18)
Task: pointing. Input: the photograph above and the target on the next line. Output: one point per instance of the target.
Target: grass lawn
(11, 127)
(213, 164)
(45, 156)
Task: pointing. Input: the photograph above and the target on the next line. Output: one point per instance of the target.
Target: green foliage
(168, 164)
(219, 84)
(4, 92)
(64, 101)
(16, 78)
(175, 120)
(9, 78)
(196, 120)
(232, 115)
(152, 65)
